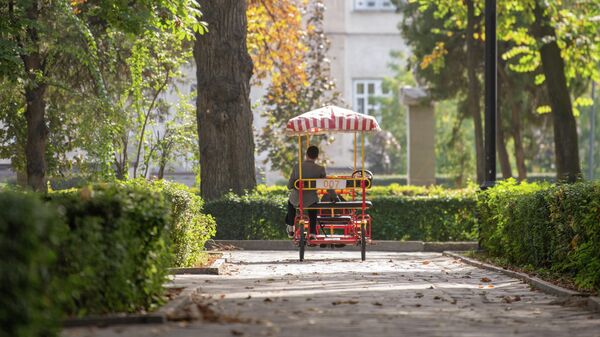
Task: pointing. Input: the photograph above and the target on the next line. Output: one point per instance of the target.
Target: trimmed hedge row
(30, 235)
(420, 214)
(545, 227)
(116, 254)
(98, 249)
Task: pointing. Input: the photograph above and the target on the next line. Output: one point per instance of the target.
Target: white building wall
(361, 43)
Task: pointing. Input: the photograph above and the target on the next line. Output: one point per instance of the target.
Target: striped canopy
(331, 119)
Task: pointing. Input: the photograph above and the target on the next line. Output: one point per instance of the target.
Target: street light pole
(592, 133)
(491, 94)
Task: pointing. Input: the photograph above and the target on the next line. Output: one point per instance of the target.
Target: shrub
(116, 254)
(249, 217)
(430, 218)
(399, 213)
(544, 226)
(190, 227)
(30, 233)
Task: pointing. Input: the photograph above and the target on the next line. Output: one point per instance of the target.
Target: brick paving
(333, 293)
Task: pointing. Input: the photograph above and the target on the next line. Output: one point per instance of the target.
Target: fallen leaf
(485, 279)
(490, 286)
(510, 299)
(344, 302)
(425, 262)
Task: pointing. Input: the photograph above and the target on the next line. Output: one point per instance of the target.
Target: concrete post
(420, 123)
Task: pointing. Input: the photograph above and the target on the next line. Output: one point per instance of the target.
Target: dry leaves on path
(344, 302)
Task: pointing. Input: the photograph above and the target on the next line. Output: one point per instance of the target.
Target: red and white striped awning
(331, 119)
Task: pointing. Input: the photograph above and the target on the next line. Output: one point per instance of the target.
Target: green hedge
(116, 255)
(191, 228)
(431, 218)
(99, 249)
(249, 217)
(30, 235)
(399, 213)
(545, 227)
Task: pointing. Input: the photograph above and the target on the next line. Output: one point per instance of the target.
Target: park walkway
(333, 293)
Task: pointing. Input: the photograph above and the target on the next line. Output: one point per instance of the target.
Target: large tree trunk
(224, 116)
(501, 148)
(565, 127)
(35, 108)
(474, 92)
(518, 140)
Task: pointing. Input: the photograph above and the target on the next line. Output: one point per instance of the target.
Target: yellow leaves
(436, 58)
(276, 44)
(543, 109)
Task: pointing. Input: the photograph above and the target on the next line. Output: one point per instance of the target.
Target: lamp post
(592, 133)
(491, 94)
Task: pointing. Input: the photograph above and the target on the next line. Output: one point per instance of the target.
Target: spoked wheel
(363, 243)
(302, 243)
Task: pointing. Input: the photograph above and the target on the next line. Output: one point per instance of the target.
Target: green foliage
(94, 250)
(256, 216)
(99, 60)
(426, 218)
(30, 234)
(118, 246)
(190, 227)
(399, 213)
(554, 227)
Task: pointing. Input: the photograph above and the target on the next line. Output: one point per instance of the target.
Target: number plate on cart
(331, 183)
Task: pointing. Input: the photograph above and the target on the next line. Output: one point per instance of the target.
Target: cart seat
(334, 219)
(340, 205)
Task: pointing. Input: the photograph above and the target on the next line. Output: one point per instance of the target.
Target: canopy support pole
(362, 182)
(355, 152)
(300, 188)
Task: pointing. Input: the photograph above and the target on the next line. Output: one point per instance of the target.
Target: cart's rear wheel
(302, 243)
(363, 243)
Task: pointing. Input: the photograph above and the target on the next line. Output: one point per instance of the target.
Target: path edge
(593, 302)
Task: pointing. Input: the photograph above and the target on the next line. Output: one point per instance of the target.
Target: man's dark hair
(312, 152)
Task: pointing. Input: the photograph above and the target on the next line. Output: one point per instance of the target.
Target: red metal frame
(350, 229)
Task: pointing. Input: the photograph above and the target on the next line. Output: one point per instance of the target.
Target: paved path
(333, 293)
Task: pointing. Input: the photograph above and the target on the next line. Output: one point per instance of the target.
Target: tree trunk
(37, 132)
(224, 116)
(565, 127)
(516, 134)
(35, 108)
(501, 148)
(474, 92)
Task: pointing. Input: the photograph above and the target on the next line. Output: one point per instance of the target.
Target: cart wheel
(302, 244)
(363, 243)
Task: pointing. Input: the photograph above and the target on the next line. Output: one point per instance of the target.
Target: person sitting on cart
(310, 170)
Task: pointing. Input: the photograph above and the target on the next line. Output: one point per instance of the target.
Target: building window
(365, 93)
(378, 5)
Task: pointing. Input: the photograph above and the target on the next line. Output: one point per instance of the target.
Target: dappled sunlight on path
(333, 293)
